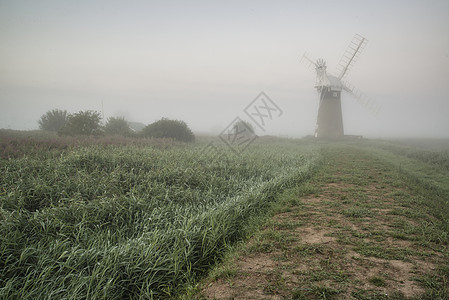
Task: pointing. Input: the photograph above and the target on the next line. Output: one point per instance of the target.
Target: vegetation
(166, 128)
(429, 152)
(129, 222)
(86, 123)
(117, 126)
(243, 127)
(82, 123)
(121, 218)
(367, 225)
(53, 120)
(16, 144)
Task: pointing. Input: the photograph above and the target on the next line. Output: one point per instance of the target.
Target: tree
(117, 126)
(53, 120)
(82, 123)
(243, 128)
(165, 128)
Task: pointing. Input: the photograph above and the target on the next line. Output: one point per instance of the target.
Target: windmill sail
(307, 61)
(361, 98)
(351, 55)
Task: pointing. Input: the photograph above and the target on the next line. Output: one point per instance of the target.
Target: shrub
(82, 123)
(243, 128)
(165, 128)
(117, 126)
(53, 120)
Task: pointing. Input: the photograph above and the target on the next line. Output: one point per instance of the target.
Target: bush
(243, 128)
(53, 120)
(82, 123)
(165, 128)
(117, 126)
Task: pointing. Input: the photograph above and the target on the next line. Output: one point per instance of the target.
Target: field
(118, 222)
(121, 219)
(371, 223)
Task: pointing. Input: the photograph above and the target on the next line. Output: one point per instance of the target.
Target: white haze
(204, 61)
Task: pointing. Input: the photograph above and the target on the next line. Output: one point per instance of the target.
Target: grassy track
(371, 224)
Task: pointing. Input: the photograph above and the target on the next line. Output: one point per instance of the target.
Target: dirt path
(355, 231)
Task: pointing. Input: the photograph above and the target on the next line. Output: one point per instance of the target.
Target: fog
(205, 61)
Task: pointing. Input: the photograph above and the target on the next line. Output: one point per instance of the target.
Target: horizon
(205, 62)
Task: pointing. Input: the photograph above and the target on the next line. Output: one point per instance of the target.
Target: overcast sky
(204, 61)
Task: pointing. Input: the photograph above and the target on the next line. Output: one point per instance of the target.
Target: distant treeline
(87, 123)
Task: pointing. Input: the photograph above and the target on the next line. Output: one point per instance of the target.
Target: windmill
(330, 120)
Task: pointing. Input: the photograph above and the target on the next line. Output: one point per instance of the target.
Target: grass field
(370, 224)
(117, 222)
(155, 219)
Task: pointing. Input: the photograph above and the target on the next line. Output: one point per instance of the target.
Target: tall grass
(131, 222)
(16, 144)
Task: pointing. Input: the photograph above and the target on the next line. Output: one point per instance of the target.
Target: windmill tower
(330, 120)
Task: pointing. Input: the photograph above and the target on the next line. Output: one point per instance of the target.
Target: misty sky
(204, 61)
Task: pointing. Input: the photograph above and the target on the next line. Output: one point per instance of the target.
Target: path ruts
(356, 230)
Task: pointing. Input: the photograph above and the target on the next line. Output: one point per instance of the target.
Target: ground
(356, 230)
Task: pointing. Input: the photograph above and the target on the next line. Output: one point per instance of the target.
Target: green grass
(124, 222)
(369, 205)
(357, 212)
(377, 281)
(104, 220)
